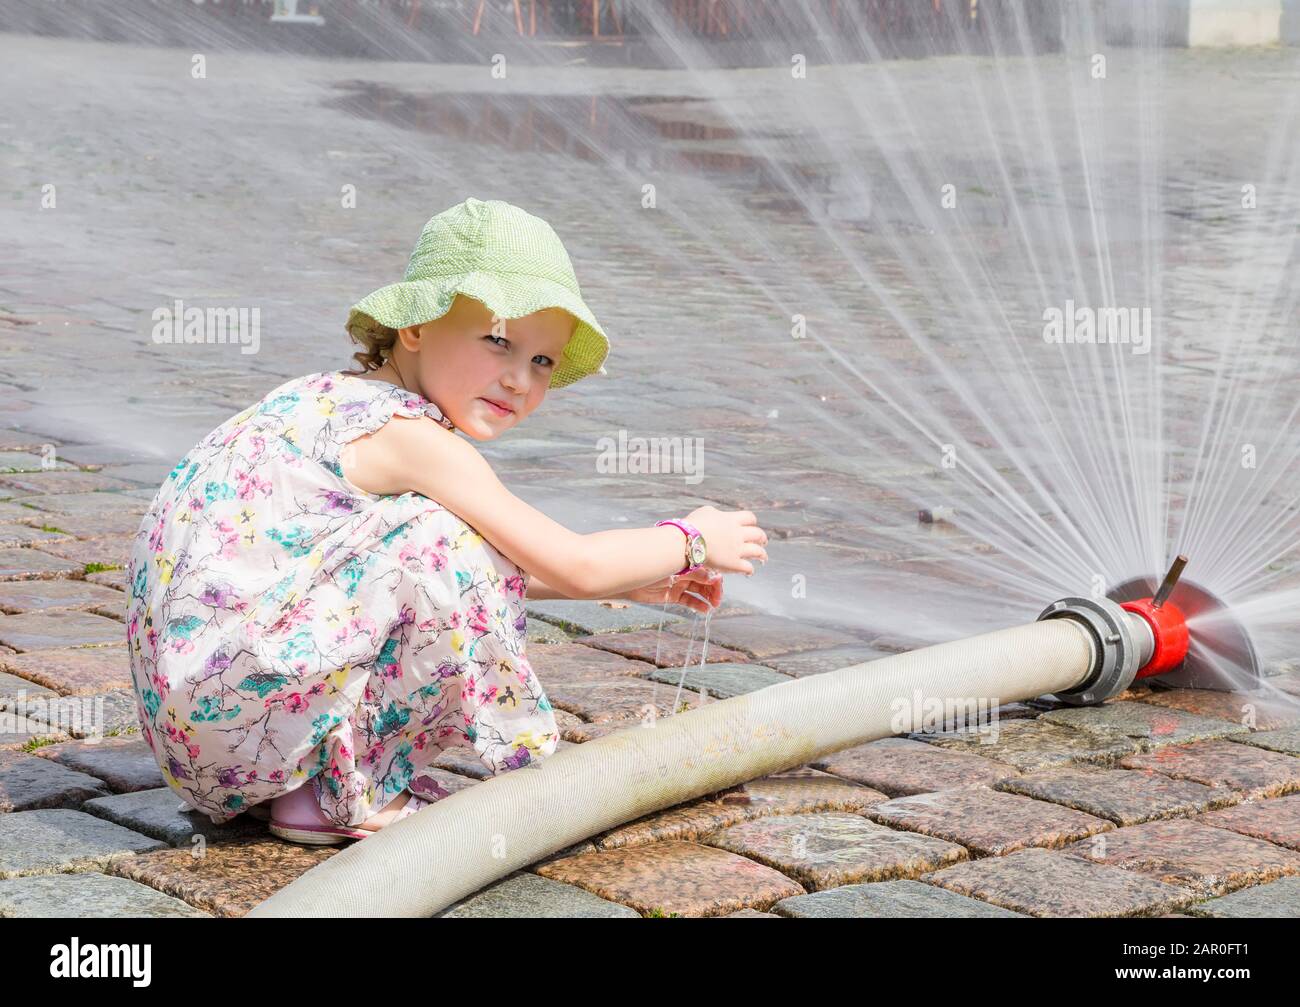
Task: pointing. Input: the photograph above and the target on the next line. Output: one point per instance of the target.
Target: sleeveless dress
(286, 627)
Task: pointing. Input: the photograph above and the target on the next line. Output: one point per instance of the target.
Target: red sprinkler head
(1216, 654)
(1167, 623)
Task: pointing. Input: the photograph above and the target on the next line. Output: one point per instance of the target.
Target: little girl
(321, 600)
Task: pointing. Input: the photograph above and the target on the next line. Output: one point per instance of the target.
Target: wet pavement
(1167, 801)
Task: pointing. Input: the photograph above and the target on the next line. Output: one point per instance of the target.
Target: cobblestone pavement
(1163, 802)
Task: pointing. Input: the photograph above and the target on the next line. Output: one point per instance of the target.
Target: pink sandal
(297, 817)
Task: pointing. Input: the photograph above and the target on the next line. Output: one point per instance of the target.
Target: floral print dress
(286, 627)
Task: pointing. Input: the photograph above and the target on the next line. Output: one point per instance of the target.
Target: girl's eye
(549, 361)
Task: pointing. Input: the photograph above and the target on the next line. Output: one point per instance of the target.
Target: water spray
(1082, 650)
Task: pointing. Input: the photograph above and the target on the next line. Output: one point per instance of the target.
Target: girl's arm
(536, 589)
(451, 471)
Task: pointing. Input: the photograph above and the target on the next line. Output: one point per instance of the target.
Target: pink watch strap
(688, 530)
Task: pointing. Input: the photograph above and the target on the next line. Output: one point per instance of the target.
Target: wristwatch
(695, 548)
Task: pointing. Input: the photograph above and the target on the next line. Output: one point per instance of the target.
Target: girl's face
(465, 363)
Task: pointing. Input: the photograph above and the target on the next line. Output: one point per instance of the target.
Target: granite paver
(225, 879)
(901, 766)
(900, 899)
(87, 895)
(55, 841)
(529, 895)
(1151, 725)
(1276, 820)
(1207, 860)
(1251, 771)
(28, 783)
(1035, 744)
(1041, 882)
(1278, 899)
(673, 877)
(987, 821)
(829, 849)
(1123, 796)
(125, 763)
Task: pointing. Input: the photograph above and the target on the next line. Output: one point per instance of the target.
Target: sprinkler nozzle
(1170, 582)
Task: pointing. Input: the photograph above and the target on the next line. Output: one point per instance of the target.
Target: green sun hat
(496, 253)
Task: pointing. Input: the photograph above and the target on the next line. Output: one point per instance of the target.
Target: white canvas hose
(424, 863)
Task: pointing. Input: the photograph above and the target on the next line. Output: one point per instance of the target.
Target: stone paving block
(575, 662)
(158, 813)
(55, 841)
(109, 550)
(544, 632)
(124, 763)
(672, 877)
(28, 783)
(529, 896)
(88, 716)
(1207, 860)
(1250, 771)
(1285, 740)
(1041, 882)
(18, 596)
(987, 821)
(1275, 820)
(87, 895)
(74, 671)
(761, 636)
(62, 482)
(683, 822)
(14, 536)
(1122, 796)
(818, 662)
(795, 792)
(28, 461)
(662, 650)
(1277, 900)
(1151, 725)
(833, 848)
(750, 914)
(24, 564)
(114, 579)
(89, 505)
(1288, 683)
(1034, 744)
(17, 731)
(901, 899)
(598, 617)
(121, 522)
(621, 699)
(722, 681)
(227, 879)
(40, 630)
(1258, 712)
(14, 690)
(901, 766)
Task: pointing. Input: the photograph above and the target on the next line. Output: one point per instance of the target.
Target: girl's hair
(378, 348)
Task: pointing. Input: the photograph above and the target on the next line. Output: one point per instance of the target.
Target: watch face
(697, 549)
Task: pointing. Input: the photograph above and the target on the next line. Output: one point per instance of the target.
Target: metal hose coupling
(1119, 647)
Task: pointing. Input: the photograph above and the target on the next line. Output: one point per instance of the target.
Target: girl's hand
(704, 582)
(732, 539)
